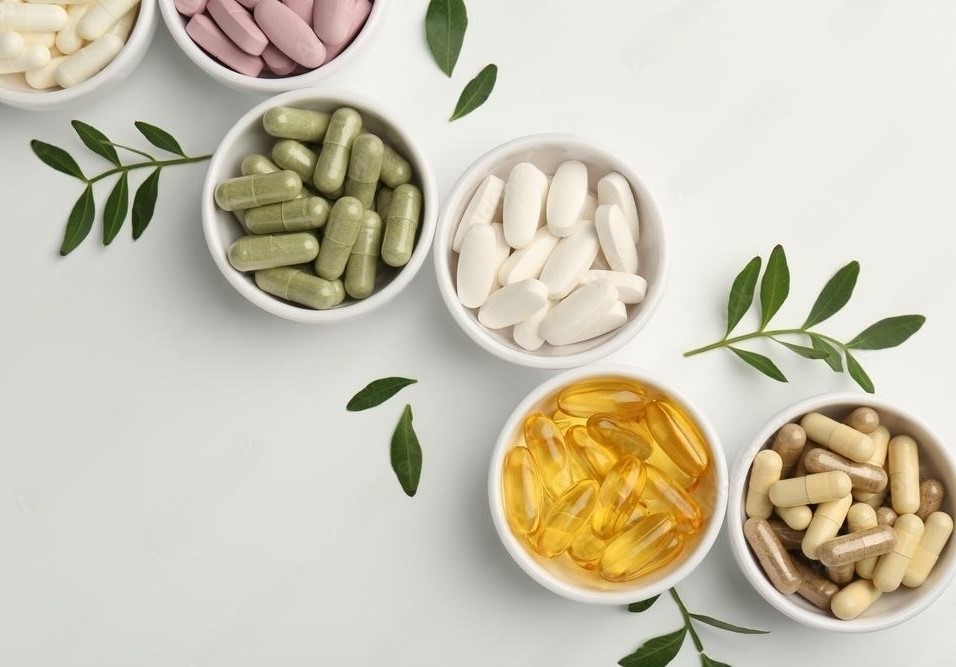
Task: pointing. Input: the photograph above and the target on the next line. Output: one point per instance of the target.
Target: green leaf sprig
(660, 651)
(117, 208)
(774, 290)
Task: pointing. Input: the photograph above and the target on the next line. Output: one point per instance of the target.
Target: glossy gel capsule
(663, 494)
(619, 496)
(568, 514)
(617, 435)
(522, 490)
(677, 435)
(600, 459)
(648, 545)
(613, 397)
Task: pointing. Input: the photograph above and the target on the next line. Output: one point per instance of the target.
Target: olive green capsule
(383, 200)
(395, 169)
(257, 164)
(251, 253)
(299, 124)
(290, 154)
(339, 237)
(401, 225)
(258, 190)
(300, 287)
(333, 163)
(363, 262)
(297, 215)
(365, 165)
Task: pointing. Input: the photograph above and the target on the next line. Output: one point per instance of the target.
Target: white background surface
(180, 485)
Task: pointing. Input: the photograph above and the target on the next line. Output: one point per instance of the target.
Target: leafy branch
(117, 207)
(774, 290)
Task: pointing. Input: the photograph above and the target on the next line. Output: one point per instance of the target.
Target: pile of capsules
(280, 37)
(65, 42)
(561, 266)
(859, 478)
(282, 202)
(607, 479)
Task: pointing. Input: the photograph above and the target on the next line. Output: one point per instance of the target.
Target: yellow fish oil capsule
(550, 451)
(663, 495)
(937, 531)
(790, 538)
(648, 545)
(797, 518)
(587, 548)
(819, 487)
(855, 547)
(566, 421)
(892, 567)
(677, 435)
(663, 461)
(836, 436)
(854, 599)
(600, 459)
(522, 491)
(827, 520)
(841, 574)
(616, 434)
(863, 517)
(568, 514)
(863, 476)
(881, 439)
(620, 494)
(613, 397)
(774, 559)
(931, 493)
(764, 471)
(864, 419)
(789, 443)
(815, 588)
(885, 516)
(904, 474)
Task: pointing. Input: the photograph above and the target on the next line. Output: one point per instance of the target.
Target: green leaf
(803, 351)
(723, 625)
(116, 210)
(643, 605)
(377, 392)
(656, 652)
(406, 453)
(832, 358)
(706, 661)
(476, 92)
(445, 25)
(80, 222)
(887, 333)
(56, 157)
(144, 203)
(742, 293)
(761, 363)
(856, 372)
(159, 138)
(96, 141)
(834, 295)
(775, 286)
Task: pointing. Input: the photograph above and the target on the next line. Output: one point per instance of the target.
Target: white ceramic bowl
(560, 575)
(16, 93)
(247, 136)
(547, 151)
(936, 460)
(266, 85)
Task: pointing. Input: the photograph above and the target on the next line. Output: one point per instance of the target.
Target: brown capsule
(864, 420)
(885, 516)
(931, 494)
(841, 574)
(789, 443)
(774, 559)
(790, 539)
(815, 588)
(853, 547)
(863, 476)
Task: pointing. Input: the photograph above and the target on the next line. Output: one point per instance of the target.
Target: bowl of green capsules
(318, 206)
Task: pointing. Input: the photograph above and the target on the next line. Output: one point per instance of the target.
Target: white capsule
(31, 18)
(481, 209)
(513, 303)
(67, 40)
(617, 244)
(524, 198)
(57, 2)
(33, 57)
(631, 288)
(102, 16)
(88, 61)
(47, 39)
(567, 197)
(528, 262)
(477, 266)
(614, 189)
(569, 260)
(45, 77)
(573, 319)
(527, 333)
(11, 44)
(124, 26)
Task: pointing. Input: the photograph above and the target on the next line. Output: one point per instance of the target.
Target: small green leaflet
(761, 363)
(643, 605)
(476, 92)
(116, 210)
(377, 392)
(96, 141)
(159, 138)
(723, 625)
(445, 24)
(886, 333)
(832, 358)
(856, 372)
(144, 203)
(803, 351)
(775, 286)
(80, 222)
(835, 294)
(706, 661)
(57, 158)
(742, 293)
(406, 453)
(656, 652)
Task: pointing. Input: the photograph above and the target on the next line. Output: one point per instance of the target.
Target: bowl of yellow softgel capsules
(841, 513)
(607, 486)
(319, 207)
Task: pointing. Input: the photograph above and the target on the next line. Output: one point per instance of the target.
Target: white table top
(180, 485)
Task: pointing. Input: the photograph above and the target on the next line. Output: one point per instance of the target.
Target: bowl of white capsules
(550, 252)
(841, 513)
(57, 52)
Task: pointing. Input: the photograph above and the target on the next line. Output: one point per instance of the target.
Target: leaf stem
(687, 621)
(727, 342)
(133, 150)
(152, 162)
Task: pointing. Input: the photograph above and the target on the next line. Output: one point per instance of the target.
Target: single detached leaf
(445, 25)
(742, 293)
(834, 295)
(707, 661)
(116, 209)
(643, 605)
(80, 222)
(56, 157)
(476, 92)
(144, 203)
(710, 620)
(406, 453)
(656, 652)
(887, 333)
(96, 141)
(775, 286)
(832, 358)
(803, 351)
(761, 363)
(159, 138)
(377, 392)
(856, 372)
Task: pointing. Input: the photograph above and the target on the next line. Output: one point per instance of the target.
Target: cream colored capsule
(31, 18)
(764, 471)
(819, 487)
(67, 40)
(937, 531)
(88, 61)
(826, 523)
(798, 517)
(124, 26)
(854, 599)
(892, 567)
(839, 437)
(102, 16)
(45, 77)
(880, 438)
(33, 57)
(47, 39)
(861, 517)
(11, 44)
(904, 474)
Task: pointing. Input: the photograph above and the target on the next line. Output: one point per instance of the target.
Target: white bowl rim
(546, 578)
(352, 309)
(735, 519)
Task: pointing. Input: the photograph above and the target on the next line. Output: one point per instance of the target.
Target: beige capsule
(814, 587)
(789, 443)
(885, 516)
(790, 539)
(863, 517)
(864, 419)
(854, 599)
(797, 518)
(854, 547)
(937, 531)
(811, 489)
(841, 574)
(904, 474)
(892, 567)
(774, 559)
(880, 438)
(862, 475)
(839, 437)
(826, 523)
(764, 471)
(874, 500)
(931, 493)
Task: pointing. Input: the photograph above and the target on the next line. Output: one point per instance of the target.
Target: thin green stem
(148, 163)
(727, 342)
(687, 621)
(133, 150)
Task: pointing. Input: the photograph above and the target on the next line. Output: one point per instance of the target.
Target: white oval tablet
(613, 319)
(617, 244)
(477, 266)
(614, 189)
(630, 288)
(590, 206)
(527, 333)
(524, 199)
(569, 260)
(513, 303)
(503, 250)
(575, 316)
(566, 197)
(528, 262)
(481, 209)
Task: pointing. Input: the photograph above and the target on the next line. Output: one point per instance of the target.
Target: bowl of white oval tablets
(270, 248)
(840, 513)
(54, 54)
(550, 252)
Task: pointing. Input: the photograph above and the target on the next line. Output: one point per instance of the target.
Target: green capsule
(395, 169)
(344, 126)
(251, 253)
(363, 262)
(290, 154)
(297, 215)
(301, 287)
(299, 124)
(383, 200)
(401, 225)
(257, 164)
(258, 190)
(365, 165)
(339, 237)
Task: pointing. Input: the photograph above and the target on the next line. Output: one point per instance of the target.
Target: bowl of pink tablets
(269, 46)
